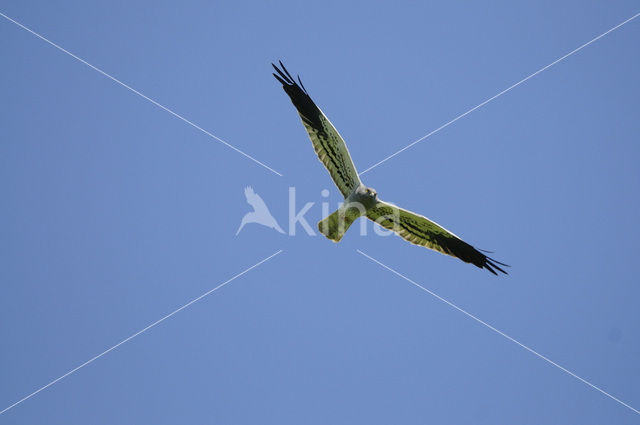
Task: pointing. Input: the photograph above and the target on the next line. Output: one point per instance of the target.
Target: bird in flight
(363, 201)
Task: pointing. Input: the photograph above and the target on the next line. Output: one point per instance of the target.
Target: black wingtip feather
(284, 83)
(302, 85)
(287, 72)
(488, 267)
(288, 82)
(308, 110)
(285, 78)
(502, 264)
(490, 264)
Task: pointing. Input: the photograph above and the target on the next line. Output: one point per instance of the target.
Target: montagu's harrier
(361, 200)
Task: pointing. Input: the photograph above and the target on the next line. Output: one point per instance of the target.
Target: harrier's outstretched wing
(420, 230)
(326, 140)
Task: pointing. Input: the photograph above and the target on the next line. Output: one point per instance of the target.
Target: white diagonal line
(499, 332)
(140, 94)
(501, 93)
(139, 332)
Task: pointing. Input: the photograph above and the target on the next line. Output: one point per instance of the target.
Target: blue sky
(116, 213)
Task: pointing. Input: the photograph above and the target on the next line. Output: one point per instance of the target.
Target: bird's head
(369, 191)
(366, 196)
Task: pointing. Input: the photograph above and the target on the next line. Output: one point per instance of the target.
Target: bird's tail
(335, 226)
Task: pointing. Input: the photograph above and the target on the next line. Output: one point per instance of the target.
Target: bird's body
(363, 201)
(356, 204)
